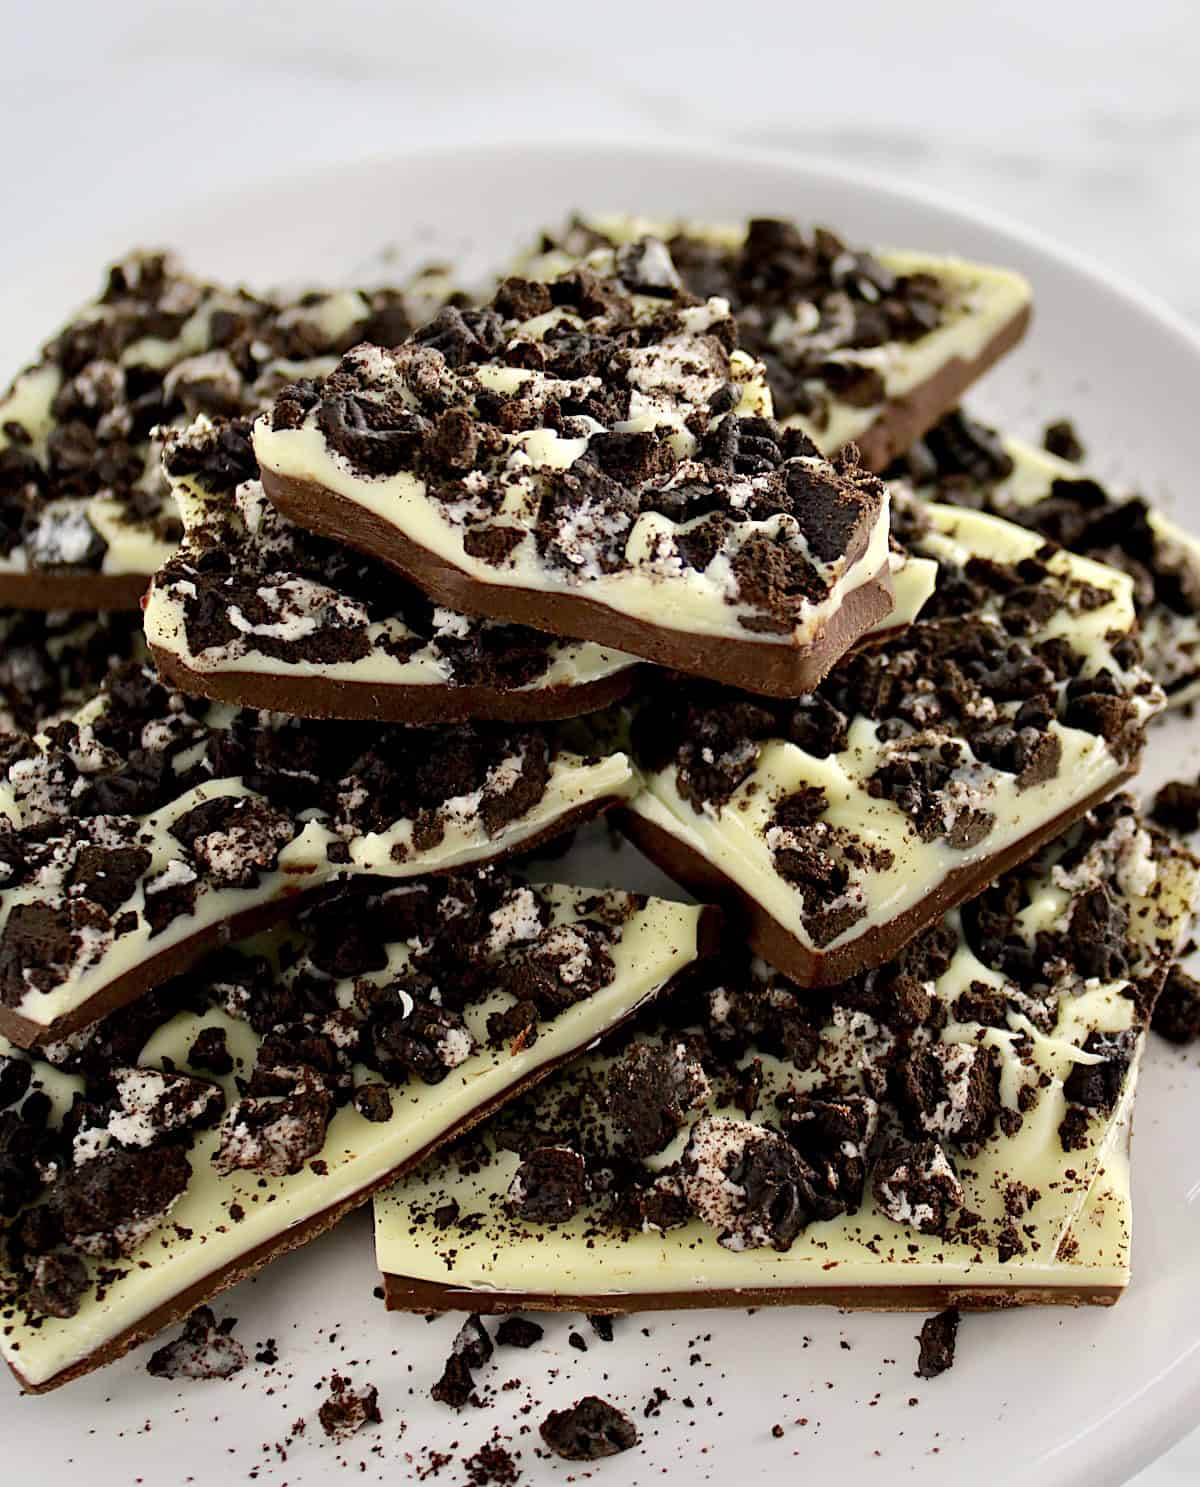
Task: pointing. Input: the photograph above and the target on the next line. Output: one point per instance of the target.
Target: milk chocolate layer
(332, 697)
(71, 589)
(404, 1293)
(756, 666)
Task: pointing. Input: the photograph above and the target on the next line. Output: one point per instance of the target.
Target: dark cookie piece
(373, 1102)
(949, 1090)
(206, 1349)
(472, 1343)
(588, 1430)
(565, 964)
(649, 1090)
(428, 1041)
(550, 1185)
(107, 1206)
(518, 1332)
(1177, 806)
(275, 1136)
(1097, 1086)
(235, 838)
(57, 1285)
(1177, 1011)
(915, 1183)
(938, 1338)
(1060, 439)
(833, 1133)
(348, 1410)
(210, 1052)
(749, 1183)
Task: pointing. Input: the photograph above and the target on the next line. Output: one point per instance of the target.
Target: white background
(1081, 119)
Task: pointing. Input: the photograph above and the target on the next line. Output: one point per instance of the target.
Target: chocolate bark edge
(876, 945)
(772, 669)
(336, 697)
(46, 589)
(183, 955)
(406, 1293)
(904, 419)
(708, 940)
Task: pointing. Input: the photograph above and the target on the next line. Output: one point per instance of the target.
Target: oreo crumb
(590, 1429)
(938, 1338)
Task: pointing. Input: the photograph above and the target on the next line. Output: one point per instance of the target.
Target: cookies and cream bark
(843, 823)
(52, 661)
(258, 611)
(153, 826)
(947, 1129)
(863, 347)
(593, 457)
(236, 1113)
(85, 515)
(965, 463)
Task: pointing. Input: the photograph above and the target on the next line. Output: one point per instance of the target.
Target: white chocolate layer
(200, 1238)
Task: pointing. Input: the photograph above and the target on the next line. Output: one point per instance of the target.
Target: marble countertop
(1077, 117)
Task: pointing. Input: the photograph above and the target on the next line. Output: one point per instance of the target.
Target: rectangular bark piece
(354, 1074)
(840, 825)
(964, 463)
(85, 515)
(590, 456)
(950, 1129)
(258, 611)
(153, 827)
(864, 347)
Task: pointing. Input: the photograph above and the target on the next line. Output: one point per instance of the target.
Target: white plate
(1037, 1397)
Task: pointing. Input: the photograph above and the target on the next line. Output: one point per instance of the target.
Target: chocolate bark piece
(964, 463)
(127, 1202)
(900, 1150)
(859, 346)
(567, 491)
(152, 826)
(588, 1431)
(939, 1336)
(839, 826)
(255, 610)
(85, 515)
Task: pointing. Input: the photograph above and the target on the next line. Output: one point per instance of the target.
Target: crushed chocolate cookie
(1177, 1012)
(206, 1349)
(589, 1430)
(348, 1410)
(938, 1338)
